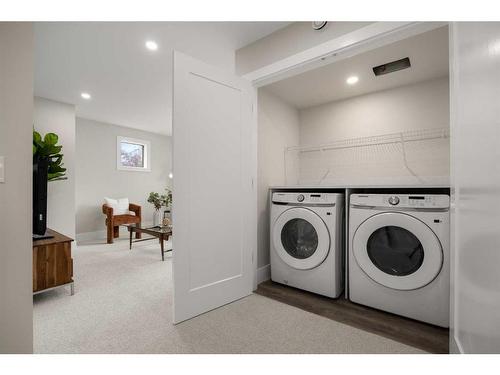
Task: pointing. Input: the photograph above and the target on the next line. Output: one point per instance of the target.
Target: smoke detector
(318, 25)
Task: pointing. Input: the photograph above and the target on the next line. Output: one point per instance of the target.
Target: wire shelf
(409, 136)
(412, 156)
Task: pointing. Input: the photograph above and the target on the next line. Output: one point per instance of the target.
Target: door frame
(367, 38)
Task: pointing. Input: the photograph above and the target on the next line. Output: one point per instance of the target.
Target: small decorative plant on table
(159, 201)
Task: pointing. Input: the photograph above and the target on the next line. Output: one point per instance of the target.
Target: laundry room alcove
(341, 125)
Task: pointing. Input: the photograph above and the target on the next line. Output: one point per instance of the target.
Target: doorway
(345, 126)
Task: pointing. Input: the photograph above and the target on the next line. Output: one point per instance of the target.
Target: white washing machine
(399, 255)
(307, 241)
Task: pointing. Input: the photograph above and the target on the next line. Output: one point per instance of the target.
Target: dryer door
(398, 251)
(301, 238)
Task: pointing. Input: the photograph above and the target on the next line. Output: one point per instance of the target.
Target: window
(133, 154)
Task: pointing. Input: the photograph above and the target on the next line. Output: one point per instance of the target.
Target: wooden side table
(52, 263)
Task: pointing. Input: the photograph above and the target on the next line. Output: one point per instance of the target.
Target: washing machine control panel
(401, 201)
(421, 201)
(305, 198)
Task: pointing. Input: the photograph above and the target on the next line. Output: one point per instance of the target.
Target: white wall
(98, 177)
(59, 118)
(423, 105)
(16, 116)
(418, 106)
(475, 88)
(278, 127)
(295, 38)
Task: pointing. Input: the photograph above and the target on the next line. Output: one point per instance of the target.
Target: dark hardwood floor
(407, 331)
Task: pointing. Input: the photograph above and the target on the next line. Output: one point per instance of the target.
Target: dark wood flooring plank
(407, 331)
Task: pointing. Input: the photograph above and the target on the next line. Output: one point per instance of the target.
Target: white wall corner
(455, 347)
(263, 273)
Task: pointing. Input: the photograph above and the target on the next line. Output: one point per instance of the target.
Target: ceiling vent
(392, 67)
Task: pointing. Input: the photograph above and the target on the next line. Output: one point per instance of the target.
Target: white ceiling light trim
(151, 45)
(352, 80)
(86, 95)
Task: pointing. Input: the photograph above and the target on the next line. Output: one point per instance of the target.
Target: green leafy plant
(159, 201)
(47, 148)
(168, 199)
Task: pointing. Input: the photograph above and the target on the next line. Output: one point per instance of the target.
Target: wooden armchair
(113, 222)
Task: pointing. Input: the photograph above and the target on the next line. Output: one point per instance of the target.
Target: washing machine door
(301, 238)
(398, 251)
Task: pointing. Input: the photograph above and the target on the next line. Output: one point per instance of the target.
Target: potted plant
(46, 149)
(47, 166)
(159, 201)
(167, 214)
(168, 198)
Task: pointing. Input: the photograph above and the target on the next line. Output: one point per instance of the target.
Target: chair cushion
(119, 206)
(125, 219)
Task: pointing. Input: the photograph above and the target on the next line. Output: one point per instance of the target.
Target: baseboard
(263, 273)
(100, 234)
(455, 347)
(91, 236)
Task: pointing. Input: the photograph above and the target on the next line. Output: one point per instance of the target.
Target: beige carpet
(122, 304)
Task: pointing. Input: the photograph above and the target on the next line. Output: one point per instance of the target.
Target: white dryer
(306, 241)
(399, 254)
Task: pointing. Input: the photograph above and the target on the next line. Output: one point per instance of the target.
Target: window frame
(147, 154)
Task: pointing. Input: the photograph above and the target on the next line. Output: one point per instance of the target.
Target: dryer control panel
(305, 198)
(438, 201)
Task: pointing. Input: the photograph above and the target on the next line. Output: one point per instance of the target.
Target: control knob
(393, 200)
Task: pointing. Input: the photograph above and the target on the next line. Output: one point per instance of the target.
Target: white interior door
(214, 202)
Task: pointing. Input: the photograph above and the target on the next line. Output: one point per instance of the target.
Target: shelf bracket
(405, 161)
(328, 168)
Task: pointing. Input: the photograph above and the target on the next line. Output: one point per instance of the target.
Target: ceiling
(428, 53)
(130, 85)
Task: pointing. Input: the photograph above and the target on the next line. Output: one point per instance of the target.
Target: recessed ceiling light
(85, 95)
(352, 80)
(151, 45)
(170, 175)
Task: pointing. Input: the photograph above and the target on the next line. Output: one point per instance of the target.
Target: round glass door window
(299, 238)
(395, 250)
